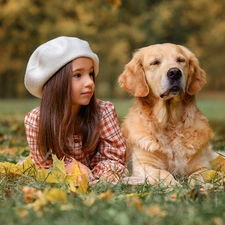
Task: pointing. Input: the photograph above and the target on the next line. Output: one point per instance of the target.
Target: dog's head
(168, 70)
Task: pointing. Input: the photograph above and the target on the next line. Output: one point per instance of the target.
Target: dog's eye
(180, 59)
(156, 62)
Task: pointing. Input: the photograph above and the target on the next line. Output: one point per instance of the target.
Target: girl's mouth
(88, 93)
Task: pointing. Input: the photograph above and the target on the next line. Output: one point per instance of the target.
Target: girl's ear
(133, 77)
(196, 75)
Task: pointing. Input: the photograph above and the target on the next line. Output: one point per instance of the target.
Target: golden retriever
(167, 135)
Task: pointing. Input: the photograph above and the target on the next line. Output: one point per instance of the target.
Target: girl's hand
(84, 170)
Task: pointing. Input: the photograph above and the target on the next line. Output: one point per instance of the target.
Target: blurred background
(114, 29)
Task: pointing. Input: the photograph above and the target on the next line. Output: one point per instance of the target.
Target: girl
(70, 122)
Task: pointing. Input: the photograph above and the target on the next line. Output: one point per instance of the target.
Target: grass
(150, 205)
(213, 108)
(106, 203)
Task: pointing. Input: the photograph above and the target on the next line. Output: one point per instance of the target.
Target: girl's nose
(89, 81)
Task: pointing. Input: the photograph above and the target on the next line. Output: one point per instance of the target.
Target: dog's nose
(174, 73)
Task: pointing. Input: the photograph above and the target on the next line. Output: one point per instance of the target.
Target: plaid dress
(110, 155)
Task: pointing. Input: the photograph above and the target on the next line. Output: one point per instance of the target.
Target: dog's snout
(174, 73)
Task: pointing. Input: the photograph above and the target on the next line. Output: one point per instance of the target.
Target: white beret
(49, 57)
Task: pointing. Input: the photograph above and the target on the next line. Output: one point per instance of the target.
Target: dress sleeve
(31, 127)
(110, 156)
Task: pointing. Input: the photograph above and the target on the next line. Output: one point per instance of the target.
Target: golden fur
(167, 136)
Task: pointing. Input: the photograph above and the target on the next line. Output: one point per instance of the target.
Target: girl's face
(82, 83)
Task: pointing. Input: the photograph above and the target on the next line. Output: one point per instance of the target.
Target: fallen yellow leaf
(42, 199)
(76, 173)
(57, 174)
(218, 163)
(210, 175)
(55, 195)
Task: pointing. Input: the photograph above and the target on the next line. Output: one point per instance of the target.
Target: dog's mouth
(174, 83)
(173, 91)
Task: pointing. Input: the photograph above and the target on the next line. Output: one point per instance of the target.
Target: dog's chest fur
(175, 144)
(177, 148)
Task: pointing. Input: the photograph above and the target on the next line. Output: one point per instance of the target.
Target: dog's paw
(163, 178)
(196, 179)
(169, 182)
(133, 180)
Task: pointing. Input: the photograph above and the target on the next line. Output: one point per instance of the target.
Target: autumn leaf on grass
(218, 163)
(37, 199)
(10, 151)
(9, 168)
(26, 168)
(58, 165)
(216, 174)
(155, 211)
(131, 195)
(106, 195)
(42, 175)
(31, 194)
(57, 173)
(89, 199)
(17, 169)
(53, 195)
(210, 175)
(72, 179)
(136, 202)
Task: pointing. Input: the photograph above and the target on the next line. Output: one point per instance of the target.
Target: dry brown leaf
(37, 199)
(218, 221)
(10, 151)
(106, 195)
(31, 194)
(136, 202)
(155, 211)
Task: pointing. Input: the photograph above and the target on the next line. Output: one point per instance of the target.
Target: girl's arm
(109, 161)
(31, 126)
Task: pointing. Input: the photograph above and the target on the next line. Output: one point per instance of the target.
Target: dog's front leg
(199, 165)
(150, 166)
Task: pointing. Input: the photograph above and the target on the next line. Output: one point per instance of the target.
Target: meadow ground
(104, 203)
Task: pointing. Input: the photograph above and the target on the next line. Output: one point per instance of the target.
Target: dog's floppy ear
(133, 77)
(196, 76)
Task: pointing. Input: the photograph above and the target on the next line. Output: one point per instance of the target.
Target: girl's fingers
(79, 179)
(91, 176)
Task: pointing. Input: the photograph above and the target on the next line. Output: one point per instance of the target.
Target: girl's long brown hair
(57, 124)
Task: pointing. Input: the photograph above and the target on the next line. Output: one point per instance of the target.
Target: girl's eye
(77, 75)
(91, 74)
